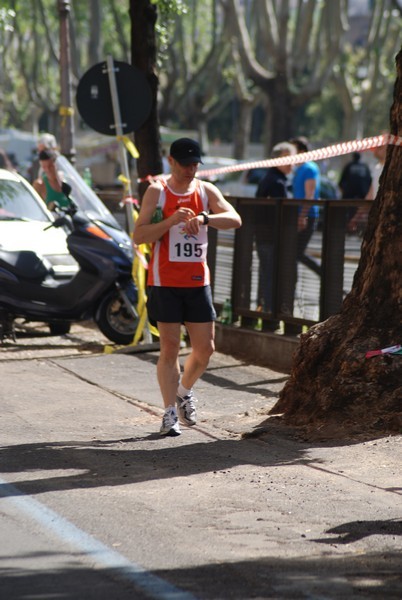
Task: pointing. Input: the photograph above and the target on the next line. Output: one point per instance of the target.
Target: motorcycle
(102, 288)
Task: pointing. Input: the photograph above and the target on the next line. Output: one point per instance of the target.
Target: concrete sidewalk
(210, 512)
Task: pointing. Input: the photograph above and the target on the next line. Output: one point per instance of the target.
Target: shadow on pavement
(375, 575)
(357, 530)
(70, 582)
(214, 375)
(123, 464)
(370, 576)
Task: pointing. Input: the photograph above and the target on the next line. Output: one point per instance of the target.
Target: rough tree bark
(333, 389)
(143, 16)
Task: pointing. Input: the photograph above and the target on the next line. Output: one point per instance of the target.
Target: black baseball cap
(186, 151)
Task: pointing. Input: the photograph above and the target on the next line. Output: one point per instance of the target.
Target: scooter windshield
(83, 195)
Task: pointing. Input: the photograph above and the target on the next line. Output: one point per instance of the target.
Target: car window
(16, 202)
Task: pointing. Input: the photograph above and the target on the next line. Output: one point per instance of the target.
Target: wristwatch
(205, 216)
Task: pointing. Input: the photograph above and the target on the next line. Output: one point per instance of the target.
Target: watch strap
(205, 217)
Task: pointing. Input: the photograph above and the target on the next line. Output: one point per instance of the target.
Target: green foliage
(7, 16)
(29, 44)
(168, 10)
(197, 73)
(323, 116)
(166, 7)
(193, 61)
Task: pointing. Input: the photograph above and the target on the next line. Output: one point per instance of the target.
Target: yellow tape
(139, 276)
(130, 146)
(65, 111)
(125, 182)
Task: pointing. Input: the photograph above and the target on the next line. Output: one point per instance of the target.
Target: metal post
(333, 258)
(119, 133)
(287, 260)
(242, 259)
(66, 107)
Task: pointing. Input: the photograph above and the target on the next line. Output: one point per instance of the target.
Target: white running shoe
(170, 423)
(186, 409)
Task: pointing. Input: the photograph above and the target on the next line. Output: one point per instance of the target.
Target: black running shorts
(178, 305)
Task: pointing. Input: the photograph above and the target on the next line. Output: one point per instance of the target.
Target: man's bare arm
(146, 232)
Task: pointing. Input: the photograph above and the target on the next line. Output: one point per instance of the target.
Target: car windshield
(17, 203)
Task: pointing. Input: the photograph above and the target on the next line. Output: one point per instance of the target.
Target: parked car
(23, 215)
(23, 218)
(62, 276)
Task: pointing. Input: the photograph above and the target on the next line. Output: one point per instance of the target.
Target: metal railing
(304, 291)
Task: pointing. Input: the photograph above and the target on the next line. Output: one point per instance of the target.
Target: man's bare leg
(168, 368)
(202, 347)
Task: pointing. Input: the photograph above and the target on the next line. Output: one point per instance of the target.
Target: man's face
(183, 172)
(286, 169)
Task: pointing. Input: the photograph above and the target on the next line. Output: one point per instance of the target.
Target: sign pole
(123, 159)
(119, 133)
(66, 109)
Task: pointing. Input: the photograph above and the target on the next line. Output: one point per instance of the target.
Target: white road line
(99, 553)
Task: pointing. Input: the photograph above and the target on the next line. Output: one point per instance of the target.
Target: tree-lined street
(289, 485)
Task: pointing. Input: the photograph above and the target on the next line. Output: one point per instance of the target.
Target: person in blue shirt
(306, 185)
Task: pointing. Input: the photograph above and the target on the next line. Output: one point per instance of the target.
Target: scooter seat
(25, 264)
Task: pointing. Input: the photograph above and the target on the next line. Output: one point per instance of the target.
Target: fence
(304, 290)
(303, 293)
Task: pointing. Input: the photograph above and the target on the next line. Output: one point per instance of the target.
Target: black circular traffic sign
(94, 99)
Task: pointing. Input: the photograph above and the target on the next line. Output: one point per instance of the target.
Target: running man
(174, 217)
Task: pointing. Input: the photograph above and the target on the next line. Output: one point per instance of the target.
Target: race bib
(185, 247)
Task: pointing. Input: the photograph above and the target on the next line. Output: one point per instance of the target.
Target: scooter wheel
(114, 320)
(59, 327)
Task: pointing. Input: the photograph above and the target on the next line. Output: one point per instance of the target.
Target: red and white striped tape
(320, 154)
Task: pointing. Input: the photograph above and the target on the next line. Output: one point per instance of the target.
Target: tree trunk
(281, 113)
(143, 49)
(241, 136)
(333, 388)
(94, 45)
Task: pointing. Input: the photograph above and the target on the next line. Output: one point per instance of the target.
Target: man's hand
(193, 225)
(182, 215)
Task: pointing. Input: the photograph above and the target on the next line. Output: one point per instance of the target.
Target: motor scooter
(102, 288)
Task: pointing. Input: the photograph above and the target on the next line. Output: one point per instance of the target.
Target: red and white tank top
(179, 259)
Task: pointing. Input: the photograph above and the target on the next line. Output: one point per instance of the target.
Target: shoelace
(189, 401)
(169, 417)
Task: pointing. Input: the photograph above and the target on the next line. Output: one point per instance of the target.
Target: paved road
(96, 505)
